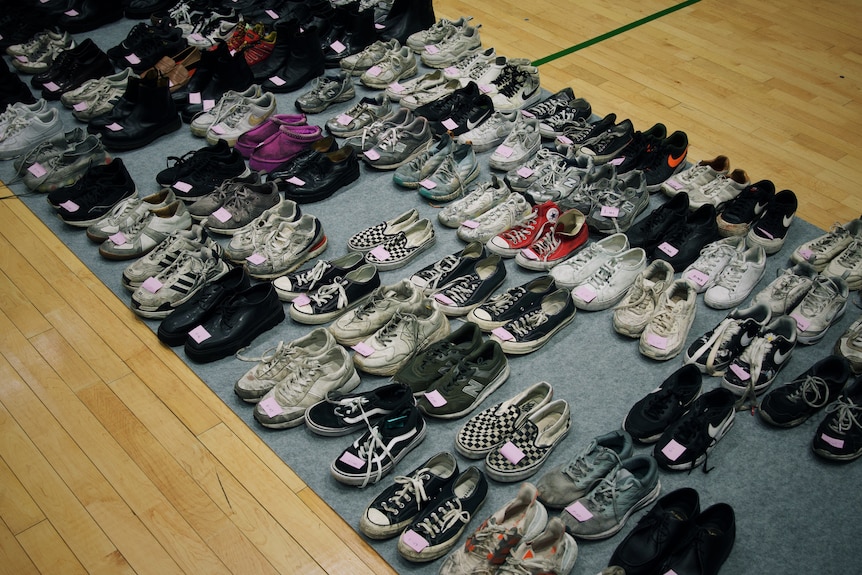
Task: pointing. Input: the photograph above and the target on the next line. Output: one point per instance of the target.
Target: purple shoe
(287, 142)
(247, 142)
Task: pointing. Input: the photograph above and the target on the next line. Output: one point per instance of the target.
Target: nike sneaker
(815, 388)
(468, 116)
(771, 229)
(650, 417)
(517, 87)
(758, 366)
(823, 305)
(713, 351)
(696, 176)
(667, 160)
(839, 435)
(820, 251)
(644, 145)
(742, 211)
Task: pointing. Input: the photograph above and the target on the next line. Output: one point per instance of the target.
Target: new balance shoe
(289, 246)
(738, 279)
(464, 293)
(400, 249)
(333, 299)
(793, 403)
(362, 321)
(431, 363)
(609, 284)
(710, 263)
(822, 306)
(510, 242)
(340, 414)
(519, 146)
(245, 203)
(367, 111)
(770, 230)
(634, 311)
(452, 48)
(821, 250)
(849, 346)
(371, 55)
(398, 145)
(751, 372)
(292, 285)
(713, 352)
(664, 336)
(202, 207)
(479, 199)
(740, 213)
(847, 265)
(535, 326)
(505, 215)
(839, 434)
(650, 416)
(522, 177)
(325, 92)
(696, 176)
(616, 208)
(789, 287)
(582, 266)
(147, 233)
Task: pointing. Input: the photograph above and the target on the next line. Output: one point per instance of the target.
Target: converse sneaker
(556, 244)
(664, 336)
(823, 305)
(758, 365)
(714, 350)
(326, 91)
(437, 275)
(536, 325)
(464, 293)
(573, 112)
(579, 268)
(499, 310)
(650, 416)
(292, 285)
(505, 215)
(336, 297)
(634, 311)
(513, 240)
(362, 321)
(609, 144)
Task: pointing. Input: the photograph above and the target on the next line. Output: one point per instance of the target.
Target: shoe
(371, 55)
(696, 176)
(552, 551)
(510, 242)
(147, 233)
(616, 209)
(406, 245)
(505, 215)
(707, 545)
(758, 365)
(396, 65)
(517, 87)
(398, 145)
(737, 279)
(522, 143)
(235, 324)
(198, 172)
(601, 457)
(573, 112)
(609, 284)
(451, 178)
(428, 365)
(491, 132)
(410, 175)
(373, 456)
(462, 294)
(287, 142)
(529, 447)
(712, 260)
(634, 311)
(71, 68)
(292, 285)
(820, 251)
(254, 236)
(577, 135)
(409, 330)
(650, 416)
(26, 131)
(667, 159)
(151, 116)
(500, 309)
(609, 144)
(278, 363)
(333, 299)
(39, 53)
(202, 207)
(739, 214)
(423, 91)
(322, 176)
(245, 203)
(839, 435)
(364, 320)
(723, 188)
(128, 213)
(441, 273)
(658, 533)
(576, 270)
(340, 414)
(429, 536)
(399, 504)
(238, 119)
(642, 149)
(681, 244)
(792, 403)
(437, 32)
(248, 142)
(287, 175)
(786, 291)
(87, 15)
(604, 511)
(103, 188)
(849, 346)
(490, 429)
(449, 50)
(664, 336)
(522, 518)
(823, 305)
(310, 379)
(467, 116)
(289, 246)
(165, 254)
(537, 325)
(326, 91)
(770, 230)
(713, 352)
(522, 177)
(847, 266)
(649, 232)
(360, 116)
(47, 169)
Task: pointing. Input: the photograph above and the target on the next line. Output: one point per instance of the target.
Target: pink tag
(118, 238)
(579, 512)
(428, 184)
(270, 407)
(525, 172)
(363, 349)
(277, 80)
(196, 36)
(656, 341)
(272, 14)
(511, 452)
(617, 161)
(674, 184)
(505, 151)
(295, 181)
(51, 86)
(450, 71)
(413, 540)
(114, 127)
(371, 154)
(472, 224)
(222, 215)
(70, 206)
(586, 292)
(503, 333)
(432, 49)
(766, 233)
(610, 212)
(449, 124)
(673, 450)
(565, 140)
(380, 253)
(199, 334)
(834, 442)
(801, 322)
(338, 47)
(529, 254)
(670, 572)
(379, 26)
(374, 71)
(527, 114)
(668, 249)
(806, 253)
(37, 170)
(208, 105)
(151, 284)
(218, 129)
(133, 59)
(396, 87)
(255, 259)
(195, 98)
(80, 106)
(740, 372)
(182, 186)
(351, 460)
(485, 88)
(698, 277)
(72, 12)
(22, 58)
(444, 299)
(344, 119)
(301, 299)
(435, 399)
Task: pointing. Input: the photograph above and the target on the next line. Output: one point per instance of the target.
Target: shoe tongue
(625, 479)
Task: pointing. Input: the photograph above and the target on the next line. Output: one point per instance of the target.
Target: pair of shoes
(325, 92)
(367, 111)
(396, 143)
(252, 238)
(250, 140)
(822, 306)
(492, 132)
(302, 60)
(714, 351)
(446, 51)
(334, 298)
(98, 96)
(655, 153)
(294, 284)
(676, 536)
(438, 274)
(256, 43)
(317, 172)
(146, 44)
(217, 72)
(559, 113)
(38, 53)
(726, 272)
(500, 309)
(284, 144)
(437, 32)
(152, 228)
(447, 173)
(396, 64)
(212, 29)
(753, 370)
(793, 403)
(289, 245)
(469, 286)
(366, 137)
(71, 68)
(516, 87)
(635, 310)
(693, 179)
(425, 367)
(367, 318)
(522, 143)
(576, 270)
(236, 203)
(24, 129)
(510, 212)
(652, 415)
(537, 324)
(60, 161)
(340, 414)
(166, 253)
(204, 205)
(128, 213)
(95, 194)
(611, 280)
(760, 214)
(356, 64)
(663, 336)
(235, 114)
(822, 251)
(608, 143)
(392, 244)
(87, 15)
(478, 199)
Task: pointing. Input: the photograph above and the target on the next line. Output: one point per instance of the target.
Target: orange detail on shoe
(675, 161)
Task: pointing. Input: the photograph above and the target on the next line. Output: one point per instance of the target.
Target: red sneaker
(558, 243)
(510, 242)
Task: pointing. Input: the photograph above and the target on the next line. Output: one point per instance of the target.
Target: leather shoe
(323, 177)
(708, 544)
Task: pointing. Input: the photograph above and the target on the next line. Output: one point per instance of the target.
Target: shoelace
(643, 297)
(500, 303)
(308, 279)
(449, 171)
(412, 491)
(274, 362)
(387, 332)
(813, 390)
(826, 242)
(845, 415)
(519, 80)
(723, 333)
(545, 245)
(549, 106)
(462, 288)
(523, 231)
(332, 290)
(236, 115)
(605, 494)
(851, 256)
(505, 214)
(439, 270)
(35, 43)
(732, 273)
(528, 322)
(817, 299)
(714, 256)
(138, 226)
(581, 465)
(295, 386)
(368, 451)
(444, 517)
(665, 321)
(225, 105)
(481, 196)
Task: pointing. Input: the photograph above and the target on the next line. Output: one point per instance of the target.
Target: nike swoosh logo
(673, 162)
(527, 96)
(759, 208)
(746, 340)
(471, 124)
(782, 357)
(787, 221)
(255, 120)
(713, 431)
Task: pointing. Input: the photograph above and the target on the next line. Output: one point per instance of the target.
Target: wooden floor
(116, 458)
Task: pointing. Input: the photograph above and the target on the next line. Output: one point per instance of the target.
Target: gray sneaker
(203, 120)
(205, 205)
(450, 179)
(436, 33)
(361, 322)
(605, 509)
(479, 199)
(356, 64)
(360, 116)
(165, 254)
(35, 58)
(409, 175)
(128, 213)
(241, 208)
(96, 97)
(252, 236)
(617, 208)
(66, 167)
(287, 247)
(396, 65)
(146, 234)
(397, 91)
(452, 48)
(490, 133)
(519, 146)
(560, 179)
(367, 137)
(399, 144)
(521, 177)
(326, 91)
(241, 118)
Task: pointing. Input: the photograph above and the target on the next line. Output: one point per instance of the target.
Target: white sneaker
(287, 247)
(436, 33)
(737, 280)
(519, 90)
(664, 336)
(395, 66)
(578, 269)
(634, 311)
(696, 176)
(521, 177)
(848, 265)
(424, 94)
(356, 64)
(786, 291)
(490, 133)
(203, 120)
(362, 321)
(452, 48)
(519, 146)
(420, 84)
(146, 234)
(713, 258)
(247, 114)
(127, 213)
(820, 251)
(463, 67)
(25, 130)
(479, 200)
(823, 305)
(608, 284)
(505, 215)
(719, 190)
(253, 235)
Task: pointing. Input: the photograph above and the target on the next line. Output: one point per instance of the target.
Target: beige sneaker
(664, 336)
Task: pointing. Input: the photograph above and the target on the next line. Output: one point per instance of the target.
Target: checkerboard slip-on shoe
(403, 247)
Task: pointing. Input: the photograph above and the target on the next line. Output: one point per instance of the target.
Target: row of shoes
(837, 253)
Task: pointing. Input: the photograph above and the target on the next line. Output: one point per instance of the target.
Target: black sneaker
(467, 116)
(682, 243)
(208, 172)
(757, 367)
(438, 274)
(644, 145)
(771, 229)
(502, 308)
(706, 545)
(839, 435)
(609, 144)
(794, 402)
(742, 211)
(371, 457)
(467, 384)
(667, 159)
(651, 416)
(462, 294)
(292, 285)
(442, 108)
(192, 161)
(648, 232)
(551, 105)
(342, 414)
(400, 503)
(535, 326)
(575, 135)
(331, 300)
(573, 114)
(713, 351)
(428, 365)
(103, 188)
(687, 443)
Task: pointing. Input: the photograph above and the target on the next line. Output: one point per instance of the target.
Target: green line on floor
(613, 33)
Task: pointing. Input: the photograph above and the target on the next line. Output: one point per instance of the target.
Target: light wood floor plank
(49, 552)
(13, 558)
(18, 511)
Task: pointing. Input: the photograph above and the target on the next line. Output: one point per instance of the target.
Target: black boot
(219, 72)
(358, 33)
(87, 15)
(305, 63)
(122, 108)
(285, 32)
(153, 116)
(407, 17)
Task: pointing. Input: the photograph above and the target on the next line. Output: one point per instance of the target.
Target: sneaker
(522, 142)
(738, 279)
(451, 48)
(505, 215)
(818, 386)
(522, 518)
(634, 311)
(609, 284)
(664, 336)
(849, 346)
(252, 237)
(713, 352)
(510, 242)
(399, 504)
(410, 175)
(666, 160)
(537, 325)
(521, 177)
(616, 209)
(550, 105)
(373, 456)
(682, 243)
(427, 90)
(409, 330)
(427, 366)
(552, 551)
(517, 87)
(566, 483)
(714, 257)
(241, 118)
(847, 265)
(464, 293)
(452, 176)
(499, 310)
(649, 232)
(770, 230)
(205, 205)
(326, 91)
(609, 144)
(289, 246)
(642, 149)
(823, 305)
(203, 120)
(98, 96)
(246, 203)
(478, 200)
(687, 443)
(398, 145)
(464, 386)
(650, 417)
(722, 189)
(573, 112)
(103, 188)
(437, 529)
(399, 250)
(360, 116)
(576, 135)
(128, 213)
(820, 251)
(576, 270)
(364, 320)
(311, 379)
(465, 117)
(739, 214)
(379, 234)
(333, 299)
(28, 130)
(439, 274)
(604, 511)
(839, 435)
(758, 365)
(292, 285)
(490, 133)
(200, 173)
(557, 244)
(371, 55)
(165, 254)
(280, 362)
(696, 176)
(395, 66)
(436, 33)
(35, 59)
(147, 233)
(490, 429)
(62, 167)
(786, 291)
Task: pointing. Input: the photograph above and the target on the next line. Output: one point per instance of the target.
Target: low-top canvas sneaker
(696, 176)
(713, 258)
(608, 144)
(289, 246)
(793, 403)
(505, 215)
(147, 233)
(574, 112)
(564, 484)
(362, 321)
(687, 443)
(522, 143)
(752, 371)
(579, 268)
(360, 116)
(432, 362)
(500, 309)
(823, 305)
(718, 191)
(821, 250)
(437, 275)
(513, 240)
(789, 287)
(664, 336)
(292, 285)
(464, 293)
(738, 215)
(714, 350)
(333, 299)
(325, 92)
(400, 249)
(378, 234)
(558, 243)
(650, 416)
(604, 511)
(847, 265)
(634, 311)
(340, 414)
(490, 429)
(374, 455)
(536, 325)
(609, 284)
(550, 105)
(770, 230)
(479, 199)
(839, 435)
(395, 66)
(738, 279)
